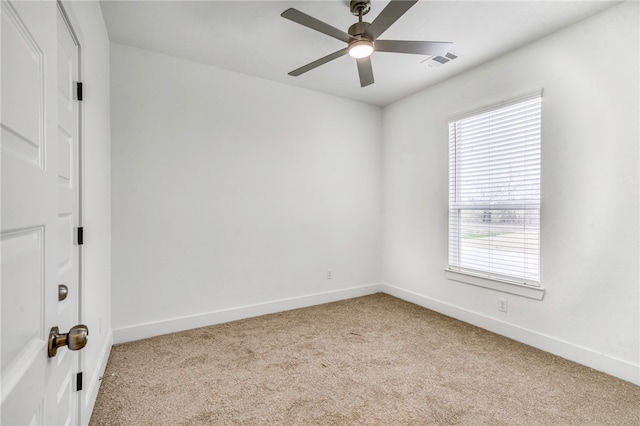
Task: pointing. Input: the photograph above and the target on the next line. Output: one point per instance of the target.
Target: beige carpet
(374, 360)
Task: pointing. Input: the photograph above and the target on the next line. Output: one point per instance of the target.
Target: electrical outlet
(503, 305)
(329, 274)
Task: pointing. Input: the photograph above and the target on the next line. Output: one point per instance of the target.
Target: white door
(39, 131)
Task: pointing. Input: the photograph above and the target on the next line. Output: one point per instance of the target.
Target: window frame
(486, 278)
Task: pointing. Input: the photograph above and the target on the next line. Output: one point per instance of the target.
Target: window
(494, 192)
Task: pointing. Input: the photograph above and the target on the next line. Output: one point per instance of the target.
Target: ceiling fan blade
(319, 62)
(433, 48)
(390, 14)
(365, 71)
(315, 24)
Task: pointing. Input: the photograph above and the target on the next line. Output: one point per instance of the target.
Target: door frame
(74, 29)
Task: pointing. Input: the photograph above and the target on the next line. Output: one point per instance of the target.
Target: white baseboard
(93, 387)
(143, 331)
(585, 356)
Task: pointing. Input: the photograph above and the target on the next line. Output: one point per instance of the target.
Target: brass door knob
(75, 339)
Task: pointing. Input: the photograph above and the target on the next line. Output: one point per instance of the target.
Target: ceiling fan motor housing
(358, 28)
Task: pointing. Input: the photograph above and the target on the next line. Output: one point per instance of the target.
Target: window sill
(531, 292)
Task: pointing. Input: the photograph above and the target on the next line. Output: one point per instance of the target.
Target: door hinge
(80, 236)
(79, 91)
(79, 382)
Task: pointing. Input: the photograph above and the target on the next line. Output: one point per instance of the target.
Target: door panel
(22, 319)
(28, 207)
(39, 169)
(22, 83)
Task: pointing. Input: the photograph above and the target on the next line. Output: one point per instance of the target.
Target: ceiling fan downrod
(359, 8)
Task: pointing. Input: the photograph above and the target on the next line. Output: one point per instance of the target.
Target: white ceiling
(252, 38)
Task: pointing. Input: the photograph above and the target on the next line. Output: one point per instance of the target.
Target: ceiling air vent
(437, 61)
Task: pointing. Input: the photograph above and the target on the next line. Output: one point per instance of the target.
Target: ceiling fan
(362, 37)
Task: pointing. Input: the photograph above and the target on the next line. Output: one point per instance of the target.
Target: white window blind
(494, 192)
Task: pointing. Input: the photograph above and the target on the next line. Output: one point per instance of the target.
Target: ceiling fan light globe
(361, 49)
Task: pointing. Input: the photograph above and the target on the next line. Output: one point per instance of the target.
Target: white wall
(96, 274)
(233, 195)
(589, 243)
